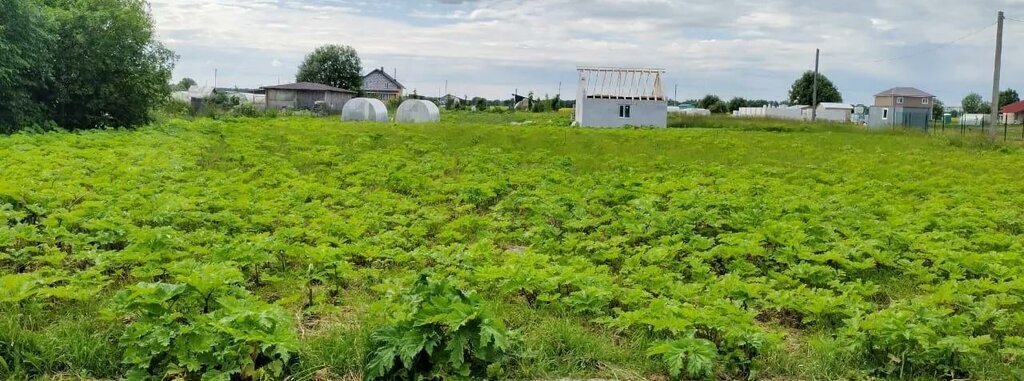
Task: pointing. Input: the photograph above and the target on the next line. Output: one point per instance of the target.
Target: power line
(938, 47)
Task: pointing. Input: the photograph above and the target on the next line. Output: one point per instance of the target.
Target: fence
(979, 127)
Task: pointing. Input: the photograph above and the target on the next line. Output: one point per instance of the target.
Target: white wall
(605, 113)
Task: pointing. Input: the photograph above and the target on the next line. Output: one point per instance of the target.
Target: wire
(1013, 19)
(940, 46)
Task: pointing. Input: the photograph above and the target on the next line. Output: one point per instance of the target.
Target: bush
(247, 110)
(174, 108)
(205, 326)
(446, 333)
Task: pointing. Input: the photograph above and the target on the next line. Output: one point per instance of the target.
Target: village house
(378, 84)
(901, 106)
(306, 95)
(1013, 113)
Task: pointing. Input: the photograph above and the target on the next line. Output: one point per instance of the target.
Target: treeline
(78, 64)
(716, 105)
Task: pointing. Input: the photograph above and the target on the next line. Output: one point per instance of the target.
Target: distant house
(305, 96)
(455, 100)
(378, 84)
(617, 97)
(831, 112)
(901, 106)
(1013, 113)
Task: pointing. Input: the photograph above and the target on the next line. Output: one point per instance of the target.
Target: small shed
(617, 97)
(417, 111)
(365, 110)
(305, 96)
(830, 112)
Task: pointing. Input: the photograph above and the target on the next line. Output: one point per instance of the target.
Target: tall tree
(972, 103)
(1008, 96)
(737, 102)
(112, 69)
(802, 91)
(709, 101)
(185, 84)
(24, 63)
(334, 65)
(938, 110)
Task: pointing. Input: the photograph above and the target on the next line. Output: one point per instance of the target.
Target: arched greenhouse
(364, 110)
(417, 111)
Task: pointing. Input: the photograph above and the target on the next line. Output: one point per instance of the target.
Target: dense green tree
(972, 103)
(24, 64)
(985, 108)
(334, 65)
(1008, 96)
(185, 84)
(802, 91)
(709, 101)
(720, 108)
(112, 70)
(938, 109)
(736, 103)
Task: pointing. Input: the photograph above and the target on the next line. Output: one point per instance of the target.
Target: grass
(478, 190)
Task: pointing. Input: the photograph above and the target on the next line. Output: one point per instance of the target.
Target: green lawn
(728, 249)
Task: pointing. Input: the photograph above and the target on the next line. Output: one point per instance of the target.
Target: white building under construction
(617, 97)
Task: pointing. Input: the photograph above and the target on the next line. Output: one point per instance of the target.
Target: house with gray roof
(379, 84)
(901, 106)
(306, 95)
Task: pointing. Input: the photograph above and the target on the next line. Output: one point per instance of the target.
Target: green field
(303, 247)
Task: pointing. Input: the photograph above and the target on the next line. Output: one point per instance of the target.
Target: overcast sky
(748, 48)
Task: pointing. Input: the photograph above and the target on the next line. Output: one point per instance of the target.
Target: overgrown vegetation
(78, 64)
(295, 247)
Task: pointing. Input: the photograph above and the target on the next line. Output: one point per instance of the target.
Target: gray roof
(308, 86)
(904, 92)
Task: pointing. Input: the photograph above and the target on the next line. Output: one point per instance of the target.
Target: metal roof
(200, 92)
(620, 83)
(1014, 108)
(904, 92)
(307, 86)
(828, 105)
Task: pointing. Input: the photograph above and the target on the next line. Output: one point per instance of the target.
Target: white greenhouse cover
(364, 110)
(417, 111)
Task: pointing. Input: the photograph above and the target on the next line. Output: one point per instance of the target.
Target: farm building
(1013, 113)
(378, 84)
(305, 95)
(901, 106)
(617, 97)
(830, 112)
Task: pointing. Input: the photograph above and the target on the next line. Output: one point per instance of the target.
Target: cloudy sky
(748, 48)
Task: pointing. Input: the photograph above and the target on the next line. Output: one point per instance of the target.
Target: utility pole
(559, 89)
(676, 96)
(814, 91)
(214, 78)
(994, 114)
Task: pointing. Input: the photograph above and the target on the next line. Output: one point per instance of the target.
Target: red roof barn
(1013, 113)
